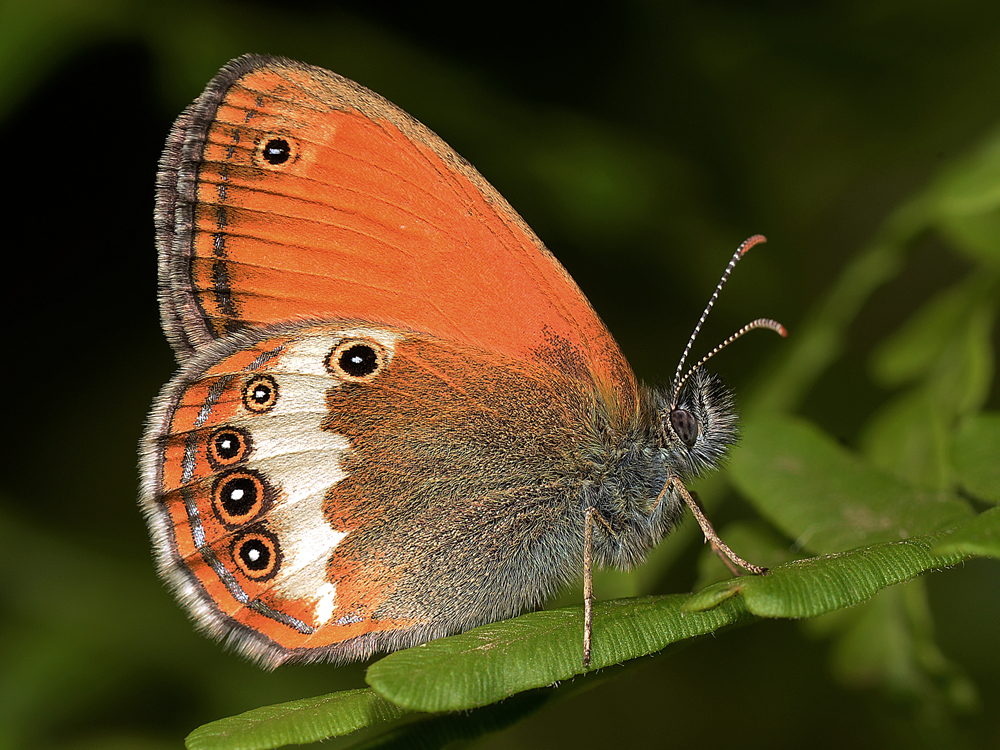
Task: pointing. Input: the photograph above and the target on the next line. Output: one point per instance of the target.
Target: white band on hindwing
(301, 461)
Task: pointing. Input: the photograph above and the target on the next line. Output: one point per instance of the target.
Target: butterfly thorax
(669, 439)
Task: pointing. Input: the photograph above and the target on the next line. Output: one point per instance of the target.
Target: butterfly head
(697, 416)
(697, 422)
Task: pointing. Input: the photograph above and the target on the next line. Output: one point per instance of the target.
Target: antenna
(757, 239)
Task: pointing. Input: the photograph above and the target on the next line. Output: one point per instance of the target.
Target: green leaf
(826, 498)
(807, 588)
(908, 439)
(459, 728)
(822, 336)
(974, 456)
(966, 199)
(296, 722)
(980, 536)
(495, 661)
(914, 349)
(948, 349)
(890, 641)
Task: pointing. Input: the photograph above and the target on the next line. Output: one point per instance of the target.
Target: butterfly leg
(721, 549)
(588, 577)
(588, 583)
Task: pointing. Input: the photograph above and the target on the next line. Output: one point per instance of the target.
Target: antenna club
(772, 325)
(757, 239)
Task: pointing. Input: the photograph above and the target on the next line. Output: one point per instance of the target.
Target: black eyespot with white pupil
(685, 426)
(228, 446)
(240, 496)
(260, 394)
(355, 360)
(277, 151)
(257, 554)
(359, 360)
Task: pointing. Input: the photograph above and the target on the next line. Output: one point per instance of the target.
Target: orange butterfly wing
(289, 191)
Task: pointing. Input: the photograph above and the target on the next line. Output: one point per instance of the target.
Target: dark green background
(641, 143)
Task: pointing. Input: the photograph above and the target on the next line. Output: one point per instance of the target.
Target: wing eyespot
(240, 496)
(228, 446)
(276, 151)
(257, 554)
(355, 360)
(260, 394)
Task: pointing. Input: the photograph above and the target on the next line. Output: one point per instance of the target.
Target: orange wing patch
(312, 196)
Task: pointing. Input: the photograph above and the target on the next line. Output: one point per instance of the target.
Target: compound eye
(685, 426)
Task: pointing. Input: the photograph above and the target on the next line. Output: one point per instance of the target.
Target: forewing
(288, 191)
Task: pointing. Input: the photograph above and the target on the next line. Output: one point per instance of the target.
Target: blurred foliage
(642, 145)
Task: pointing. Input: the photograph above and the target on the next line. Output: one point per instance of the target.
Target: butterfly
(396, 416)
